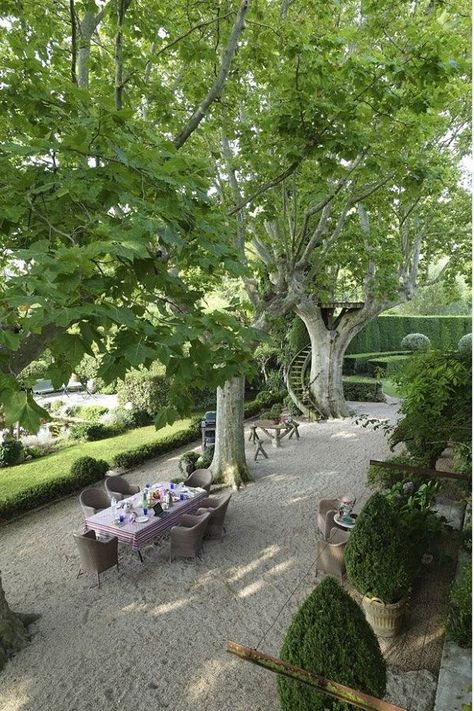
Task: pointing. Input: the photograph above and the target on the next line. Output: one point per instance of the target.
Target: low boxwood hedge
(362, 389)
(388, 364)
(137, 455)
(84, 471)
(330, 637)
(358, 363)
(94, 431)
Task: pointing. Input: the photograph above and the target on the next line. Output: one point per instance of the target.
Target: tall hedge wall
(385, 332)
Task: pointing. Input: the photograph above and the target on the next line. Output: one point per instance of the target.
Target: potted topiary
(379, 565)
(330, 637)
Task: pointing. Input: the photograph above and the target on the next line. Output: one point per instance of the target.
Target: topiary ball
(330, 637)
(12, 452)
(87, 469)
(205, 460)
(465, 344)
(415, 342)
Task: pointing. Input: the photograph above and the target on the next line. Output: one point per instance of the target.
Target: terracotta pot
(384, 618)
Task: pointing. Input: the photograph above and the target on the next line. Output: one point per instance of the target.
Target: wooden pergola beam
(331, 688)
(420, 471)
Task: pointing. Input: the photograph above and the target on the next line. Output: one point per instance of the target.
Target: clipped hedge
(358, 363)
(330, 637)
(137, 455)
(360, 389)
(385, 333)
(84, 471)
(388, 364)
(416, 342)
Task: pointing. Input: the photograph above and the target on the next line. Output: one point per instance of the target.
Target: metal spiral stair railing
(297, 381)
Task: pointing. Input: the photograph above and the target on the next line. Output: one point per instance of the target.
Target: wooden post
(325, 686)
(419, 471)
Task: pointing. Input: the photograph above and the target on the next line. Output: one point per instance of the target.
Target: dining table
(138, 534)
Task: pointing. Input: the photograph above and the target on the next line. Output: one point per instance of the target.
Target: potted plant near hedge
(379, 565)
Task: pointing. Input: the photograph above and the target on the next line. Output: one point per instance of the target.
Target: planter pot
(384, 618)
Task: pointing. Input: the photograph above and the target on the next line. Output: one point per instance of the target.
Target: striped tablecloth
(138, 535)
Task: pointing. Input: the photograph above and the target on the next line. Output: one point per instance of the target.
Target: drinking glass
(145, 510)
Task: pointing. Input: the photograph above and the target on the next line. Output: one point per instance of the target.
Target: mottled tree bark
(229, 465)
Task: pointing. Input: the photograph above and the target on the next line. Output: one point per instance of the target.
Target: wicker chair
(331, 553)
(217, 508)
(186, 538)
(95, 555)
(120, 488)
(326, 511)
(200, 477)
(93, 500)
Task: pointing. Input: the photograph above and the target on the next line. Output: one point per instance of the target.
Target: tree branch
(220, 80)
(72, 12)
(122, 8)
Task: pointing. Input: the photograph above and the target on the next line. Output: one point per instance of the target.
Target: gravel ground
(154, 636)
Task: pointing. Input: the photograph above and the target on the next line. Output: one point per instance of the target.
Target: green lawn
(23, 476)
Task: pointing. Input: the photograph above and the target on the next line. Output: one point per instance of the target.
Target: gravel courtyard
(154, 636)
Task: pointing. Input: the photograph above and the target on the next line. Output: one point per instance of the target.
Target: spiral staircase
(297, 382)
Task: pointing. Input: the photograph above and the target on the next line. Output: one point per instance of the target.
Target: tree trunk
(229, 465)
(13, 632)
(328, 346)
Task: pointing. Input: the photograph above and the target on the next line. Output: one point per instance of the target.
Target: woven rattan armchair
(120, 488)
(200, 477)
(216, 506)
(331, 553)
(96, 556)
(327, 509)
(186, 538)
(93, 500)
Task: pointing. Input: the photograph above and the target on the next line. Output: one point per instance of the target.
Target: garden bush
(362, 389)
(89, 412)
(437, 404)
(386, 366)
(86, 470)
(380, 478)
(465, 344)
(378, 560)
(415, 342)
(12, 452)
(460, 612)
(148, 392)
(93, 431)
(330, 637)
(187, 462)
(204, 461)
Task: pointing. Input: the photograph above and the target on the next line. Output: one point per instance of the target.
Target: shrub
(362, 389)
(56, 405)
(415, 342)
(460, 613)
(377, 560)
(380, 478)
(138, 455)
(187, 462)
(204, 461)
(93, 431)
(330, 637)
(292, 408)
(12, 452)
(137, 418)
(437, 404)
(146, 391)
(90, 412)
(465, 344)
(86, 470)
